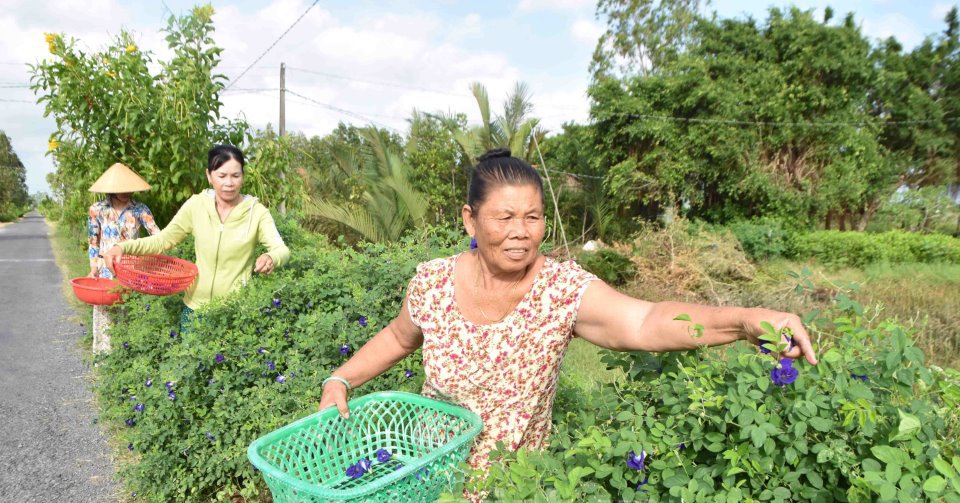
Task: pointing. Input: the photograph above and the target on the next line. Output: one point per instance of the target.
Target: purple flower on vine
(210, 437)
(636, 462)
(281, 379)
(261, 350)
(276, 302)
(408, 373)
(344, 350)
(362, 321)
(138, 407)
(219, 358)
(171, 395)
(784, 373)
(173, 333)
(862, 377)
(148, 383)
(383, 455)
(272, 366)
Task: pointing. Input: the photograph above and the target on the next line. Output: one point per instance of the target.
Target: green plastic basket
(307, 461)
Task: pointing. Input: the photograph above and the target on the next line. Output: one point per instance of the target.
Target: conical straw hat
(119, 179)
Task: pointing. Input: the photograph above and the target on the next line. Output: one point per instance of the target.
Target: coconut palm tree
(388, 204)
(513, 129)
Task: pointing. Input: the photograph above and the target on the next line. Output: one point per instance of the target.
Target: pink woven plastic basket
(155, 274)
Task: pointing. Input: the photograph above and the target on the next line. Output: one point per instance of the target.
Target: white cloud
(586, 31)
(900, 26)
(556, 5)
(939, 11)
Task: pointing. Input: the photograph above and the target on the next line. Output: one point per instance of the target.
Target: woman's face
(227, 180)
(508, 226)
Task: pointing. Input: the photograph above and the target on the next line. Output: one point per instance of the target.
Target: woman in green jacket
(226, 226)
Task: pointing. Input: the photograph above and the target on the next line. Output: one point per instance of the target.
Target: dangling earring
(473, 243)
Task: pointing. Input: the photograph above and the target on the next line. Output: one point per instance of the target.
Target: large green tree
(13, 178)
(109, 107)
(750, 119)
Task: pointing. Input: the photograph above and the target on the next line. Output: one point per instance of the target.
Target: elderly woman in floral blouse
(495, 322)
(112, 220)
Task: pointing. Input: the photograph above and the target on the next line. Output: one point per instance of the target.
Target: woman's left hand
(264, 264)
(792, 331)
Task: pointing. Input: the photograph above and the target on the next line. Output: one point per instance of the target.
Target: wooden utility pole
(283, 127)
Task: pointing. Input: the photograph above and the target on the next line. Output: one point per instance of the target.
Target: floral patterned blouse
(506, 371)
(106, 227)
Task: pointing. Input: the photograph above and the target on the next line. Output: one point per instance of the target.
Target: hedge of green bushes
(766, 239)
(871, 422)
(187, 405)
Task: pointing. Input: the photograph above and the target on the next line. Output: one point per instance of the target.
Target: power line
(737, 122)
(14, 86)
(241, 90)
(233, 81)
(340, 110)
(17, 101)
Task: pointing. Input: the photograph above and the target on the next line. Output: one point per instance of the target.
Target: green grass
(924, 297)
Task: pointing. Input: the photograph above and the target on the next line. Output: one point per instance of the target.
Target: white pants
(101, 329)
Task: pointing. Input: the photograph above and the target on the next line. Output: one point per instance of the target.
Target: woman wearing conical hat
(112, 220)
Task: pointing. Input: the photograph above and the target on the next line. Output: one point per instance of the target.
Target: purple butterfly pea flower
(362, 321)
(210, 382)
(210, 437)
(276, 302)
(354, 472)
(636, 462)
(281, 379)
(126, 345)
(146, 307)
(261, 350)
(272, 366)
(169, 385)
(171, 395)
(408, 373)
(130, 422)
(173, 334)
(364, 465)
(383, 455)
(219, 358)
(130, 446)
(148, 383)
(133, 398)
(344, 350)
(138, 407)
(862, 377)
(784, 373)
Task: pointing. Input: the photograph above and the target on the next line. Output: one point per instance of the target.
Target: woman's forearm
(380, 353)
(662, 331)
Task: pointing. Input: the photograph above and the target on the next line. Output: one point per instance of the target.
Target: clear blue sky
(378, 60)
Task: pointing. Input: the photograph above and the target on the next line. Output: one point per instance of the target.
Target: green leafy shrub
(859, 249)
(608, 265)
(871, 422)
(250, 364)
(763, 239)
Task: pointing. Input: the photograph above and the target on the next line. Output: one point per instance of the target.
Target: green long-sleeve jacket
(225, 252)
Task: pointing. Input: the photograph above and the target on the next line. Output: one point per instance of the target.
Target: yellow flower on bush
(131, 48)
(52, 144)
(51, 41)
(110, 74)
(105, 61)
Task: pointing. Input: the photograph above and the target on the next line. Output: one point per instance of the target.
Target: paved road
(51, 450)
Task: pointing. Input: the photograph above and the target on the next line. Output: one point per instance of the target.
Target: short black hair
(220, 154)
(497, 168)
